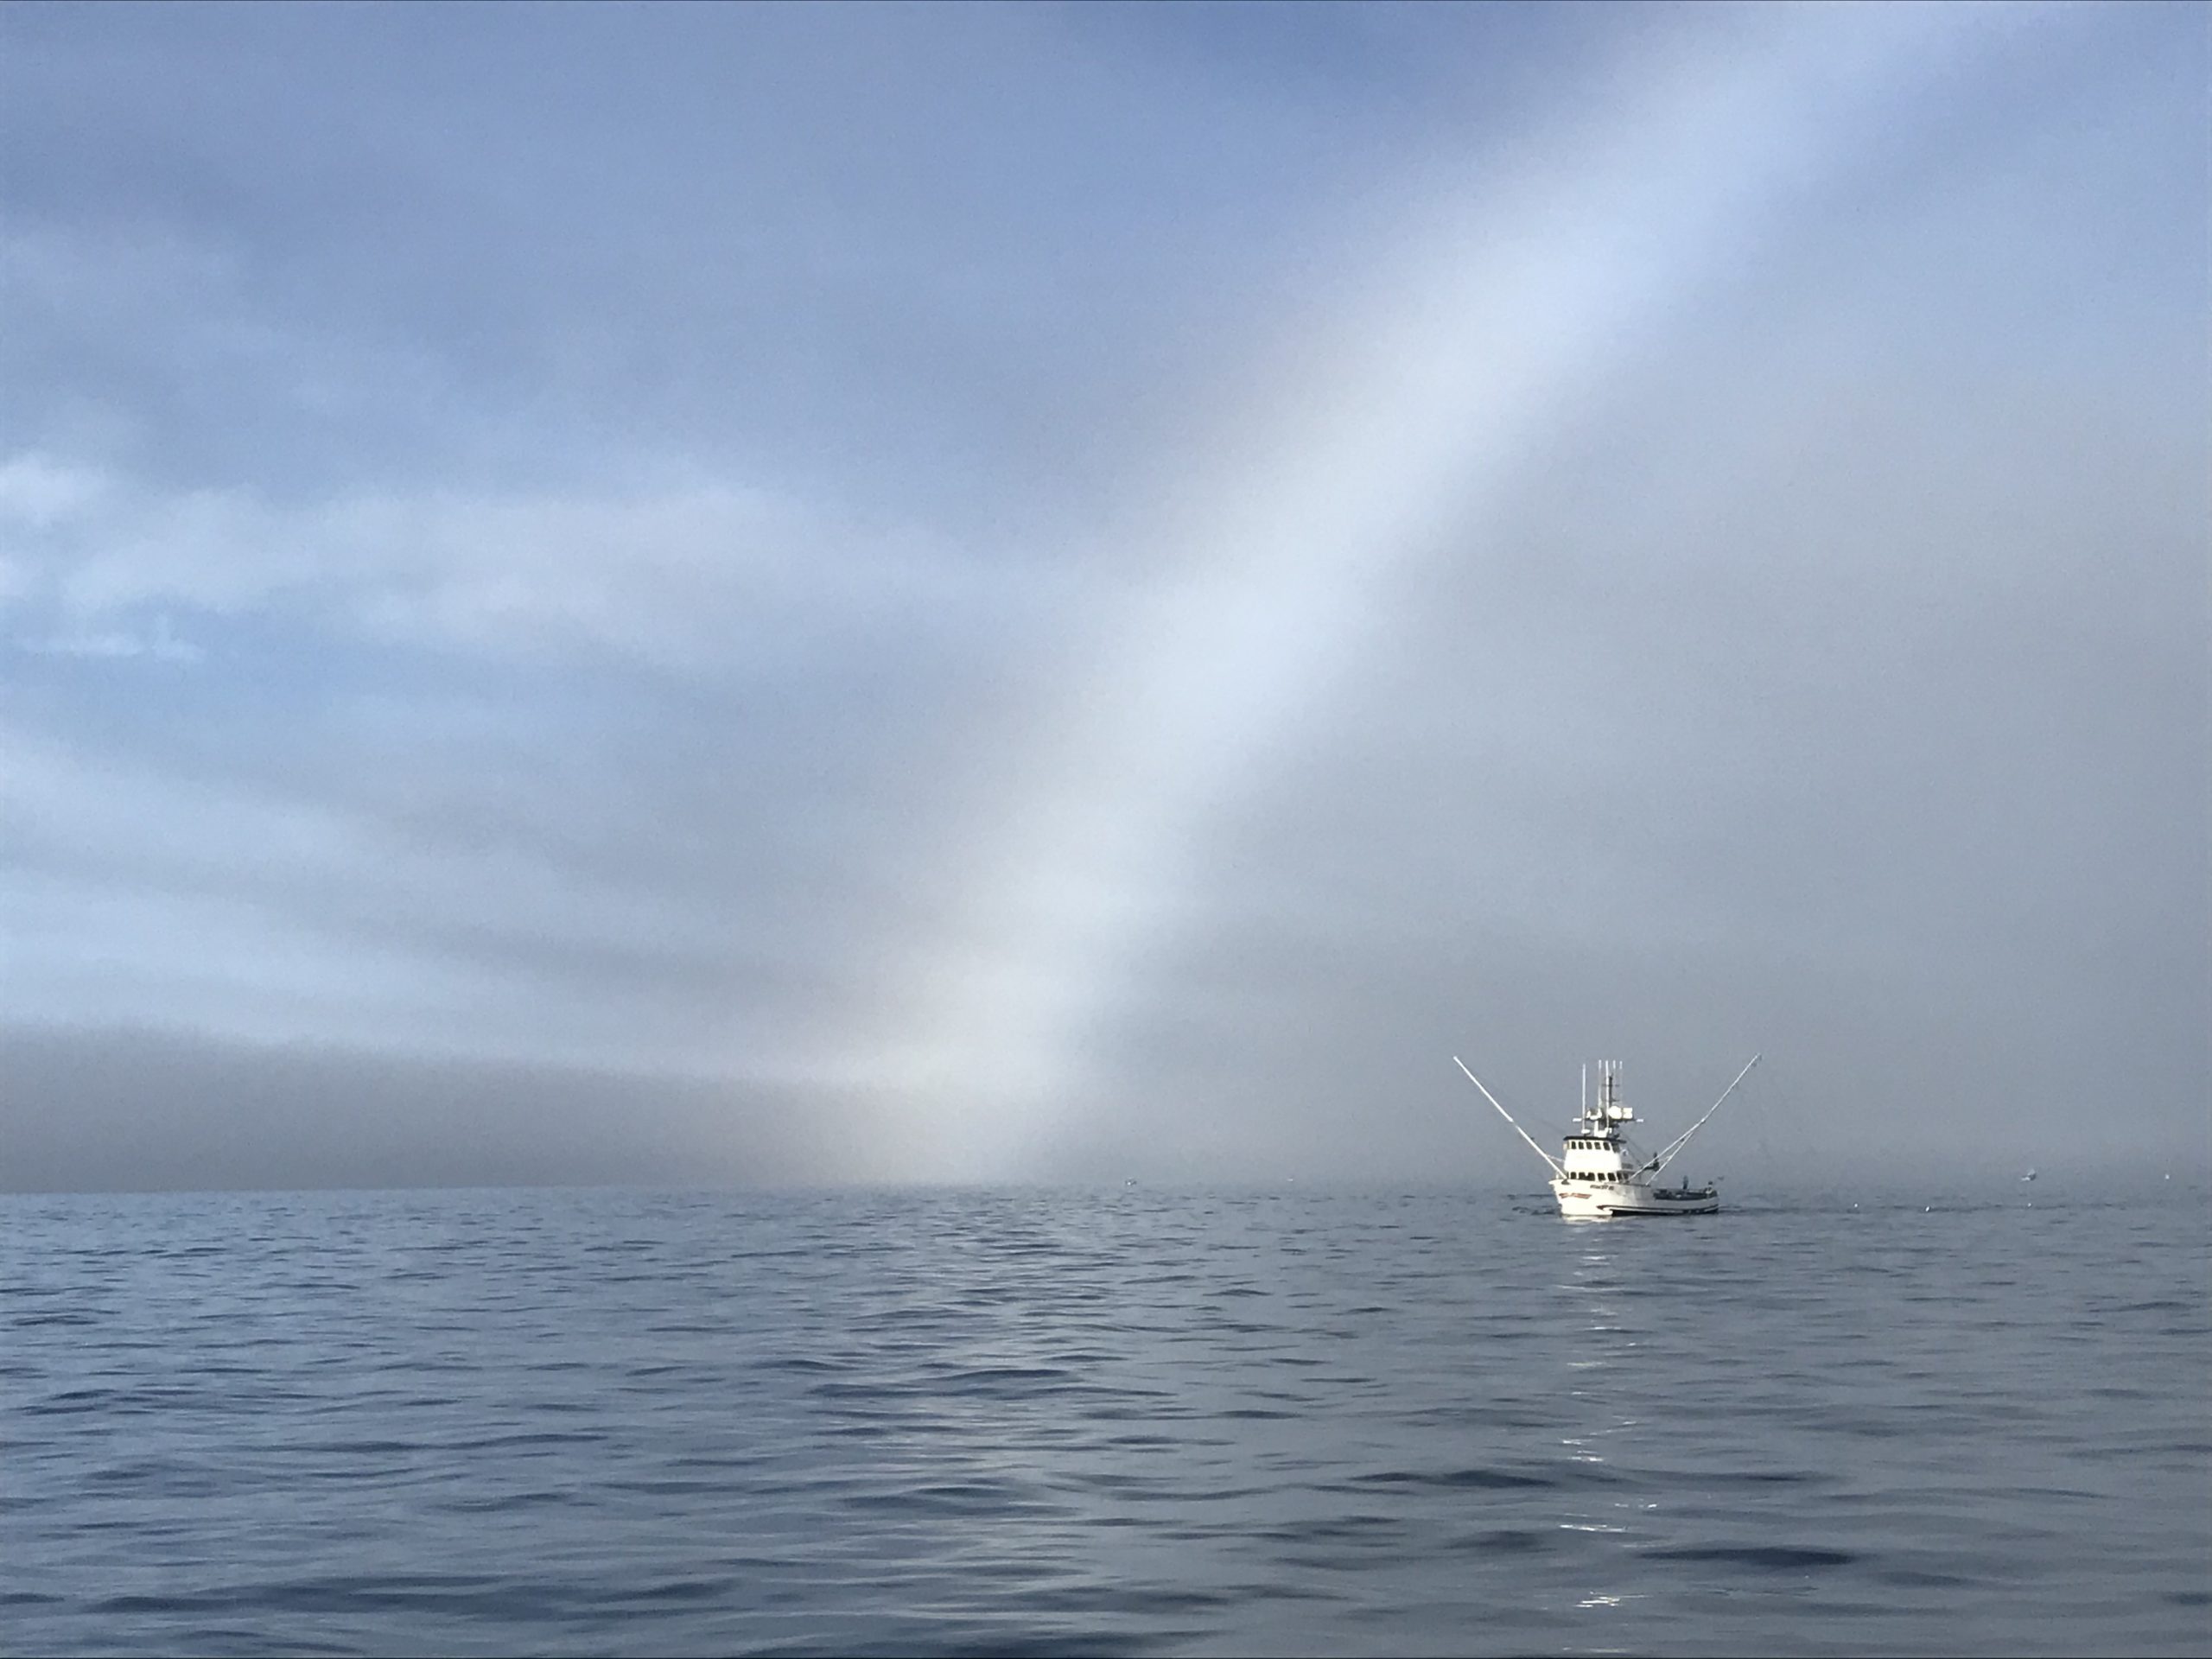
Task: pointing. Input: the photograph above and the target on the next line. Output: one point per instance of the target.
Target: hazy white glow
(1497, 311)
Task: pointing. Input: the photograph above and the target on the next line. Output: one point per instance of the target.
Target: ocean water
(1105, 1421)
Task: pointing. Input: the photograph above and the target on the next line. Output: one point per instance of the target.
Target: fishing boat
(1600, 1171)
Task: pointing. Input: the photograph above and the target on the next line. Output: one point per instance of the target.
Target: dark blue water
(1095, 1422)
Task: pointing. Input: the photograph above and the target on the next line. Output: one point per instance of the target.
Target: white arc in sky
(1482, 329)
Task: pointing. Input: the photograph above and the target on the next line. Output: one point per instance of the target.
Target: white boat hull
(1601, 1200)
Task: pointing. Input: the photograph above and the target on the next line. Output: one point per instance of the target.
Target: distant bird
(2030, 1176)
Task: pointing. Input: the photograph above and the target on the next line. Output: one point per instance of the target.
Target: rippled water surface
(1120, 1421)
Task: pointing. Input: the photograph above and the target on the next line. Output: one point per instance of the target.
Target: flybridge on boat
(1600, 1172)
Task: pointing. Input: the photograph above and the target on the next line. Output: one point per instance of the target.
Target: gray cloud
(540, 568)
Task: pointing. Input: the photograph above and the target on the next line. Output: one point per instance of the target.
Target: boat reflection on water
(1597, 1417)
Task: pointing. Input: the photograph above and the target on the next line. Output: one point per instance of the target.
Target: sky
(865, 594)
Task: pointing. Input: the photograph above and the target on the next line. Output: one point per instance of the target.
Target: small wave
(1775, 1558)
(1455, 1479)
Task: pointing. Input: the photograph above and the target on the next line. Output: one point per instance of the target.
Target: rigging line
(1558, 1168)
(1683, 1140)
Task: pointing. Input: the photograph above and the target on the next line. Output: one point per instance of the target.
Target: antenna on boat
(1558, 1168)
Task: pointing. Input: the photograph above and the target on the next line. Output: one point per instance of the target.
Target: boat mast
(1606, 1116)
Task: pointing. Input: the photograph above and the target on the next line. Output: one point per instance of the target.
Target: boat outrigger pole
(1558, 1168)
(1666, 1155)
